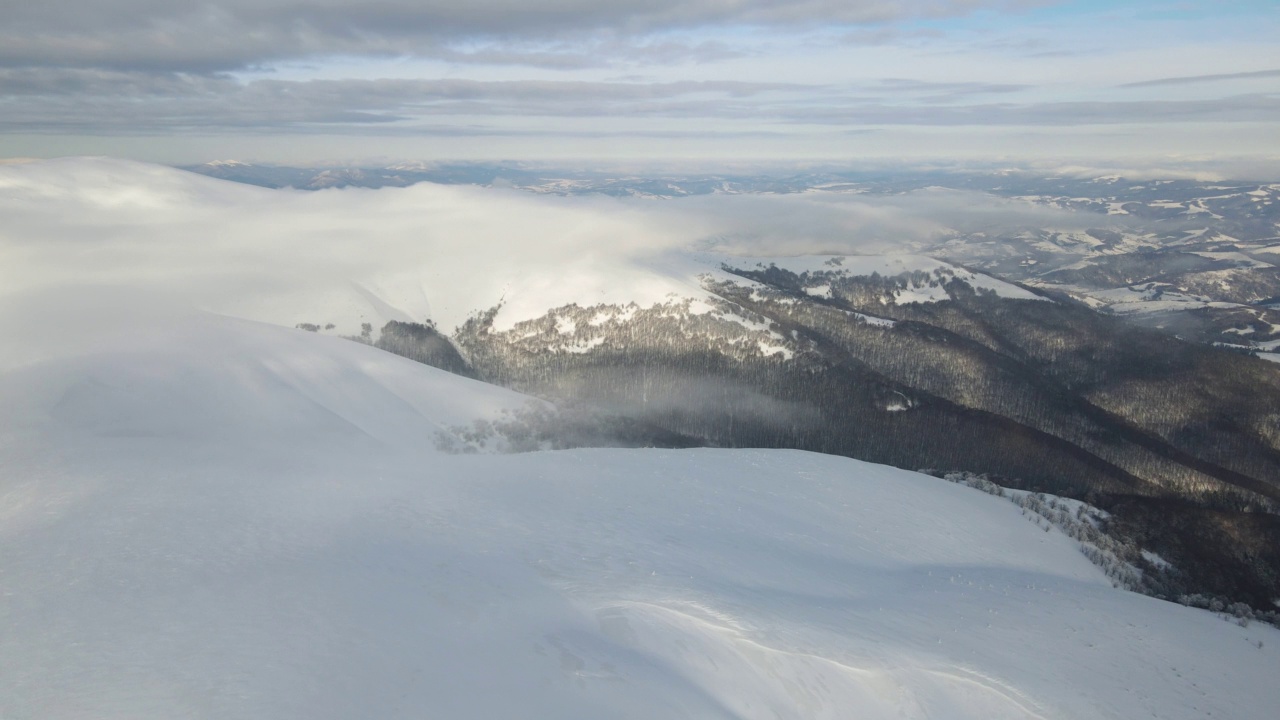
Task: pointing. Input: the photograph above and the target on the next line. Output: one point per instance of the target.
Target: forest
(1178, 443)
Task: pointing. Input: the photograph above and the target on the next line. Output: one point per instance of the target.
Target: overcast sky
(312, 81)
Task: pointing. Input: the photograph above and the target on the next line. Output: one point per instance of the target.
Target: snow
(1240, 259)
(1198, 208)
(608, 313)
(262, 545)
(565, 326)
(208, 379)
(206, 516)
(885, 265)
(873, 320)
(1139, 299)
(767, 349)
(902, 403)
(920, 294)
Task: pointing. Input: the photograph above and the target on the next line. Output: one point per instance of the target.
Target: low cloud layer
(835, 224)
(172, 239)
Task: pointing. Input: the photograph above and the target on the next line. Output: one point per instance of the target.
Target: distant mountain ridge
(1195, 258)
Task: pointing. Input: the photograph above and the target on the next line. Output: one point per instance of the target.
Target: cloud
(129, 102)
(591, 53)
(944, 92)
(839, 224)
(1189, 79)
(47, 100)
(234, 34)
(283, 256)
(1256, 107)
(291, 256)
(81, 75)
(963, 88)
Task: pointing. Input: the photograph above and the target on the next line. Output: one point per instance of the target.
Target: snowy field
(203, 516)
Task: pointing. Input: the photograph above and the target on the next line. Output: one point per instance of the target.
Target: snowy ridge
(826, 266)
(295, 569)
(214, 380)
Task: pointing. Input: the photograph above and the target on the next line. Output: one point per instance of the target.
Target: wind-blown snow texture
(202, 516)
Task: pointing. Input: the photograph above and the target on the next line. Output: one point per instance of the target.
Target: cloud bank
(273, 80)
(172, 239)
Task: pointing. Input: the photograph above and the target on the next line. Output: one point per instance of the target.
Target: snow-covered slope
(216, 382)
(206, 516)
(217, 518)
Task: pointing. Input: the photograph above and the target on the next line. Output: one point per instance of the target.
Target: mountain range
(1120, 360)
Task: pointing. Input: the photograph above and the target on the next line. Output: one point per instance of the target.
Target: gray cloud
(1186, 80)
(234, 34)
(1239, 108)
(52, 100)
(910, 85)
(944, 92)
(591, 54)
(73, 100)
(884, 35)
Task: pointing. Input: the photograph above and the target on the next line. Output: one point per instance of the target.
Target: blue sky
(314, 81)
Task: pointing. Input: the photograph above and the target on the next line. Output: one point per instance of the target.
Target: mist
(96, 233)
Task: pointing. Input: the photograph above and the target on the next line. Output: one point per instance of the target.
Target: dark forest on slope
(1179, 441)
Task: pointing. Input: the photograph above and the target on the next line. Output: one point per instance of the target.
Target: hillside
(234, 520)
